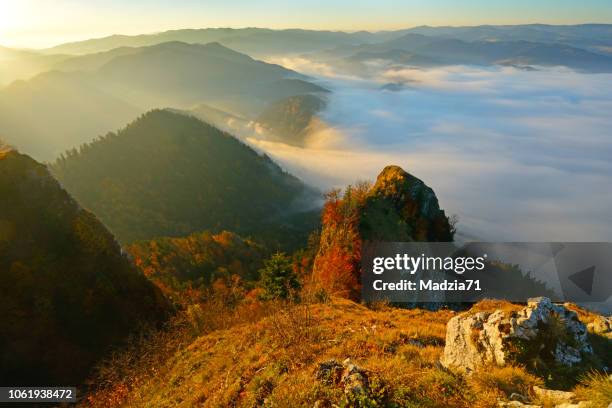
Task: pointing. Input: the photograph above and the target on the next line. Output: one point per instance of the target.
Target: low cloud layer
(517, 155)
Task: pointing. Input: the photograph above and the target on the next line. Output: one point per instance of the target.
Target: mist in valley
(519, 151)
(518, 155)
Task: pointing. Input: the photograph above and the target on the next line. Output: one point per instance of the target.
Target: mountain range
(256, 41)
(58, 110)
(174, 214)
(415, 49)
(58, 98)
(265, 41)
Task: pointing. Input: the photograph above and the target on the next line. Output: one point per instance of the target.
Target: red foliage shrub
(336, 267)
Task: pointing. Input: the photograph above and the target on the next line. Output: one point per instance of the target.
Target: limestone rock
(355, 379)
(559, 397)
(515, 396)
(401, 207)
(581, 404)
(350, 376)
(516, 404)
(542, 329)
(329, 372)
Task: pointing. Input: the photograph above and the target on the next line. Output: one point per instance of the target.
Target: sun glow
(13, 19)
(10, 15)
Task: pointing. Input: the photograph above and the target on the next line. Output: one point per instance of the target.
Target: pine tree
(278, 278)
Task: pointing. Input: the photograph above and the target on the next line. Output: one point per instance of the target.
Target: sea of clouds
(517, 155)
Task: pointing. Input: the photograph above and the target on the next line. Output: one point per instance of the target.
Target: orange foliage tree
(337, 265)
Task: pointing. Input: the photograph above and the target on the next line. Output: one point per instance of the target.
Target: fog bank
(518, 155)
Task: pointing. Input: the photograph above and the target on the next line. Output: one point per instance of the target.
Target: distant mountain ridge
(596, 38)
(168, 174)
(588, 36)
(199, 74)
(18, 64)
(436, 50)
(249, 40)
(55, 111)
(262, 40)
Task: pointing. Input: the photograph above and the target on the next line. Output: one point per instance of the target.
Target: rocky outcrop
(558, 397)
(516, 404)
(397, 208)
(542, 330)
(545, 397)
(401, 207)
(352, 378)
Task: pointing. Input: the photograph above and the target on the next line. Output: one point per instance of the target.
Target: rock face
(542, 330)
(401, 207)
(552, 398)
(516, 404)
(397, 208)
(348, 375)
(67, 292)
(560, 397)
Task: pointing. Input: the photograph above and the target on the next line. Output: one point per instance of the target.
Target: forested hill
(167, 174)
(67, 292)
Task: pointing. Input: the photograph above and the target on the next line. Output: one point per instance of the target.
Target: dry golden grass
(488, 305)
(268, 358)
(272, 359)
(503, 380)
(596, 388)
(585, 316)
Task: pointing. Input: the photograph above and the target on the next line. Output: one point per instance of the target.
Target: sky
(43, 23)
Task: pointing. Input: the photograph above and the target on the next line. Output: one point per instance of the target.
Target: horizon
(146, 33)
(39, 24)
(186, 28)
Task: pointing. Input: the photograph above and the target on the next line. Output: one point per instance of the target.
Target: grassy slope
(271, 361)
(277, 356)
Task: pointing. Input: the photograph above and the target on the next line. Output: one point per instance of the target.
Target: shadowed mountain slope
(67, 292)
